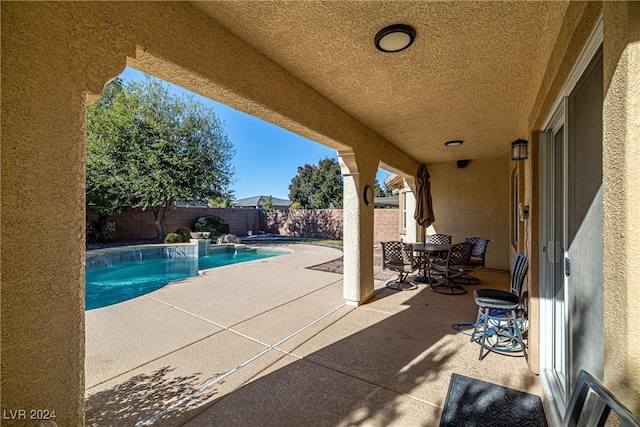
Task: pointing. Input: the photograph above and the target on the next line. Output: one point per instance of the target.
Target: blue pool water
(120, 282)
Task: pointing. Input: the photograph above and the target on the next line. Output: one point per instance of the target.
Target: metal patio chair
(597, 412)
(501, 315)
(478, 252)
(437, 239)
(398, 256)
(454, 263)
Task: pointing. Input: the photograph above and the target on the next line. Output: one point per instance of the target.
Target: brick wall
(318, 223)
(385, 225)
(138, 224)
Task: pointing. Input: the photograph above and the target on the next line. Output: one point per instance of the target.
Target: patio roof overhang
(472, 73)
(482, 72)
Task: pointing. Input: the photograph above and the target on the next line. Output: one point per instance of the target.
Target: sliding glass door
(554, 316)
(571, 265)
(556, 256)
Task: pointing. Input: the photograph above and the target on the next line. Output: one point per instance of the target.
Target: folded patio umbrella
(424, 205)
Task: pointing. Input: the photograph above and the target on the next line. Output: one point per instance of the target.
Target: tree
(382, 190)
(317, 186)
(268, 203)
(147, 148)
(105, 195)
(221, 202)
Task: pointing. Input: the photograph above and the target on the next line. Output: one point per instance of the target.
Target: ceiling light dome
(395, 38)
(454, 143)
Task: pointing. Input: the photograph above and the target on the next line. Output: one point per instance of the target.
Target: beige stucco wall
(54, 56)
(579, 21)
(621, 195)
(474, 201)
(621, 172)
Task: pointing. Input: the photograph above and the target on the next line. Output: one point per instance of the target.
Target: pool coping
(194, 249)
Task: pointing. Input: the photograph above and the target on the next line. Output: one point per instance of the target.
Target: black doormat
(475, 403)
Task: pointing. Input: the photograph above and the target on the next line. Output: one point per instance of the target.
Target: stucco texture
(474, 202)
(621, 131)
(56, 55)
(466, 57)
(621, 194)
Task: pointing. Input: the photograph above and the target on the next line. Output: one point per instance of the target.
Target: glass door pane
(558, 233)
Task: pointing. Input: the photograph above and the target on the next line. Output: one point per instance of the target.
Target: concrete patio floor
(271, 343)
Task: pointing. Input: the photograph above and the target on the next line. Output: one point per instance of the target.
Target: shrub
(93, 232)
(213, 224)
(184, 233)
(108, 230)
(173, 238)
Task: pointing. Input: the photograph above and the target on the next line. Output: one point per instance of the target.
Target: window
(404, 211)
(514, 203)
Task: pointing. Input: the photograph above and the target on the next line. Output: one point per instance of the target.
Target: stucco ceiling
(472, 73)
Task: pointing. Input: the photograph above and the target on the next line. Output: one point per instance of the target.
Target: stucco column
(358, 171)
(413, 229)
(43, 239)
(46, 77)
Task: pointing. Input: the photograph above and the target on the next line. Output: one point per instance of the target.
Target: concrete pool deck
(270, 342)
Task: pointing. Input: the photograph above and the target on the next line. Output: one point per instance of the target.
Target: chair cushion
(438, 267)
(399, 266)
(461, 268)
(495, 298)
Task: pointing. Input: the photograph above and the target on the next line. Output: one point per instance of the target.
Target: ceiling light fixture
(454, 143)
(395, 38)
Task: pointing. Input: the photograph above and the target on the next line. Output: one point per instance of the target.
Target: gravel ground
(335, 266)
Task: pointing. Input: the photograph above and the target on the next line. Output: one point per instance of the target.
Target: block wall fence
(137, 224)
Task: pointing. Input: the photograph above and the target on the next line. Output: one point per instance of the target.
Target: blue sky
(267, 156)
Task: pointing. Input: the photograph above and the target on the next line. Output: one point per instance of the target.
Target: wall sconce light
(395, 38)
(520, 149)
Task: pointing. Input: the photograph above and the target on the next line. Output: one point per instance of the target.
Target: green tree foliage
(221, 202)
(147, 148)
(105, 192)
(213, 224)
(267, 203)
(382, 190)
(173, 238)
(184, 233)
(317, 186)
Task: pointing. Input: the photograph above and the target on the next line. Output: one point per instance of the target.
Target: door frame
(556, 391)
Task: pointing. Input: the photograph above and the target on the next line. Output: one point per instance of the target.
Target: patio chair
(595, 413)
(454, 264)
(438, 239)
(501, 317)
(398, 256)
(478, 251)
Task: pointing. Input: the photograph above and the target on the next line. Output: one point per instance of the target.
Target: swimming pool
(120, 282)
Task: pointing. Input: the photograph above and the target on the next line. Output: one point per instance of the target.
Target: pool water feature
(118, 282)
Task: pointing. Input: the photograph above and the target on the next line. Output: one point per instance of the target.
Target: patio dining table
(425, 250)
